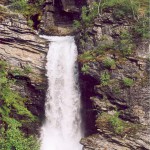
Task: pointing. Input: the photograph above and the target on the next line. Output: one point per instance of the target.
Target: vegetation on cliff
(110, 34)
(133, 12)
(14, 114)
(29, 8)
(112, 123)
(136, 12)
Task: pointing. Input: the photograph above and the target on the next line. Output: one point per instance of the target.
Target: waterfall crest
(62, 127)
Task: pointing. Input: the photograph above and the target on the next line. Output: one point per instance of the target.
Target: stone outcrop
(108, 142)
(132, 102)
(58, 16)
(3, 2)
(25, 52)
(21, 46)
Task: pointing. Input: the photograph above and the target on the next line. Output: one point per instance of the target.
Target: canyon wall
(104, 91)
(58, 16)
(25, 52)
(23, 49)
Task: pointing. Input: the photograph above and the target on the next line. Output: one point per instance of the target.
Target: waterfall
(62, 127)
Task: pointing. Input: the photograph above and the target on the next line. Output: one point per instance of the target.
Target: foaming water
(62, 127)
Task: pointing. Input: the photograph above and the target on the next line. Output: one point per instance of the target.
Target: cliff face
(108, 87)
(3, 2)
(58, 16)
(104, 86)
(25, 52)
(21, 46)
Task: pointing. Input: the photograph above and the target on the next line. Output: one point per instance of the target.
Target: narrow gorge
(74, 74)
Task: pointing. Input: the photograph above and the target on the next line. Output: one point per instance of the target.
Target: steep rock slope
(23, 49)
(58, 16)
(116, 84)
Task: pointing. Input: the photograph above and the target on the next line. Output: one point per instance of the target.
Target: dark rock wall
(133, 102)
(58, 16)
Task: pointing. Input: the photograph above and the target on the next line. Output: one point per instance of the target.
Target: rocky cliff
(115, 86)
(114, 83)
(23, 49)
(58, 16)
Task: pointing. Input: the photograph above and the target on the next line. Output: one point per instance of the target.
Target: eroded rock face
(108, 142)
(3, 2)
(21, 46)
(133, 102)
(25, 52)
(58, 16)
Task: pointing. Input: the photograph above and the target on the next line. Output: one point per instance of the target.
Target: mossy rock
(116, 125)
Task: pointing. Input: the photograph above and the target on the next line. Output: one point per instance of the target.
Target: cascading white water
(62, 127)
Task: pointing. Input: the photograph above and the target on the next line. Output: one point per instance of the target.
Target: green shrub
(132, 9)
(121, 7)
(118, 14)
(3, 65)
(17, 72)
(88, 14)
(30, 23)
(76, 24)
(126, 43)
(116, 90)
(111, 122)
(140, 28)
(105, 78)
(27, 69)
(85, 69)
(86, 57)
(128, 82)
(115, 124)
(22, 72)
(92, 54)
(19, 5)
(13, 113)
(126, 48)
(108, 62)
(99, 50)
(27, 8)
(2, 9)
(84, 15)
(13, 138)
